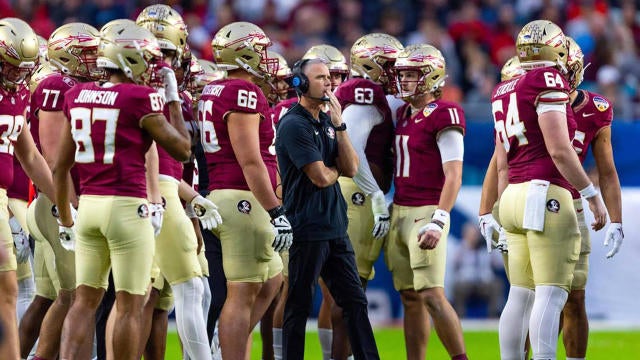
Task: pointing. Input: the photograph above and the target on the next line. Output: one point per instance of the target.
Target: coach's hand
(614, 236)
(381, 216)
(207, 212)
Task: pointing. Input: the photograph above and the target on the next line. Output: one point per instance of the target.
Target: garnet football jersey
(419, 177)
(110, 144)
(19, 189)
(592, 113)
(514, 104)
(281, 108)
(168, 165)
(219, 98)
(366, 92)
(48, 96)
(13, 105)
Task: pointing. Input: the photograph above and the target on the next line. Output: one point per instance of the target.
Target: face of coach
(319, 82)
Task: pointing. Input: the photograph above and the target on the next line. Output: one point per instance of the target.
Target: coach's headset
(300, 82)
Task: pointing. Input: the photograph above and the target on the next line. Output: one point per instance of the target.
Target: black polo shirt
(315, 213)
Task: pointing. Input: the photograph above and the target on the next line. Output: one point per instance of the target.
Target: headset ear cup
(304, 83)
(299, 81)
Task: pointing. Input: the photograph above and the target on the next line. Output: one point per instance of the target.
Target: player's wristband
(440, 218)
(589, 192)
(276, 211)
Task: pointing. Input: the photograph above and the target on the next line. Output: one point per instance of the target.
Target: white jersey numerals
(50, 94)
(247, 99)
(553, 80)
(82, 120)
(508, 125)
(403, 160)
(363, 95)
(208, 135)
(10, 128)
(453, 114)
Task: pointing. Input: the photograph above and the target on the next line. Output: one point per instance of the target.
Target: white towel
(535, 205)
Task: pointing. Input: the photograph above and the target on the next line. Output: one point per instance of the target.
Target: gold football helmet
(203, 72)
(73, 49)
(511, 69)
(132, 49)
(373, 56)
(18, 51)
(44, 69)
(541, 43)
(334, 59)
(428, 62)
(43, 49)
(276, 87)
(243, 45)
(106, 28)
(575, 64)
(168, 27)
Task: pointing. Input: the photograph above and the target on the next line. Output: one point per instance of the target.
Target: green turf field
(481, 345)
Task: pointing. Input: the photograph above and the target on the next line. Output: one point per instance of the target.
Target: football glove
(501, 245)
(207, 212)
(170, 84)
(20, 240)
(281, 229)
(157, 212)
(488, 225)
(381, 216)
(67, 236)
(614, 236)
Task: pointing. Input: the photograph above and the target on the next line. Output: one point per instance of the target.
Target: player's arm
(245, 141)
(360, 119)
(451, 146)
(152, 173)
(347, 160)
(502, 168)
(607, 173)
(172, 137)
(553, 124)
(33, 163)
(61, 168)
(489, 193)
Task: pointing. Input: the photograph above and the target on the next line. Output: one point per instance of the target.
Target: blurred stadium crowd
(476, 37)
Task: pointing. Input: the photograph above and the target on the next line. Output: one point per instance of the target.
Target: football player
(72, 51)
(203, 72)
(535, 160)
(177, 243)
(276, 89)
(369, 124)
(18, 195)
(108, 146)
(47, 285)
(593, 115)
(18, 59)
(238, 138)
(428, 159)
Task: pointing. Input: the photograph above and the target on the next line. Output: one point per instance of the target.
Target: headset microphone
(323, 99)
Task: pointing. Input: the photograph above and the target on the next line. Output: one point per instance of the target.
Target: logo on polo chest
(331, 133)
